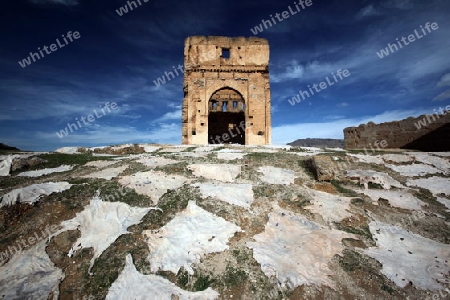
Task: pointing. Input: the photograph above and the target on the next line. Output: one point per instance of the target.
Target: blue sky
(117, 58)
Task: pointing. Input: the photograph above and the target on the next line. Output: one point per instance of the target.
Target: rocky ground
(224, 222)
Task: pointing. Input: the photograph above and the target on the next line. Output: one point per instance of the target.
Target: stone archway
(226, 117)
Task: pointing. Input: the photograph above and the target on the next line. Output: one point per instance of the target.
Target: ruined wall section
(213, 63)
(426, 133)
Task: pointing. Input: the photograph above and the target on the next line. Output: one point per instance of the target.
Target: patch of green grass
(183, 279)
(242, 256)
(13, 181)
(362, 230)
(306, 167)
(263, 190)
(372, 185)
(295, 201)
(233, 276)
(357, 201)
(133, 168)
(170, 203)
(341, 154)
(260, 156)
(202, 283)
(219, 148)
(297, 149)
(425, 195)
(387, 288)
(177, 168)
(189, 149)
(76, 197)
(107, 267)
(110, 191)
(58, 159)
(353, 261)
(113, 192)
(281, 159)
(342, 190)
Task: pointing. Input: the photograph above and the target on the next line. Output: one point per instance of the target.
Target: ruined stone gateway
(226, 91)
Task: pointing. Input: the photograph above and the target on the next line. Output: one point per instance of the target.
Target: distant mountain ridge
(331, 143)
(6, 147)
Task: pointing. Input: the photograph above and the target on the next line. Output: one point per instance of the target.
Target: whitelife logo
(432, 118)
(411, 38)
(281, 17)
(205, 56)
(319, 87)
(124, 9)
(53, 47)
(12, 250)
(90, 118)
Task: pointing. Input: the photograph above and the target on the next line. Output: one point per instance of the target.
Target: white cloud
(309, 71)
(343, 104)
(174, 105)
(171, 115)
(445, 80)
(368, 11)
(442, 96)
(294, 70)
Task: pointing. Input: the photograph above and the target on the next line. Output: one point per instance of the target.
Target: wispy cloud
(445, 80)
(368, 11)
(172, 115)
(292, 71)
(442, 96)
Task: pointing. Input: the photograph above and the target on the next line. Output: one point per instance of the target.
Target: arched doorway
(226, 117)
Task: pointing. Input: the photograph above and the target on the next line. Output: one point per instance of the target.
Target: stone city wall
(425, 133)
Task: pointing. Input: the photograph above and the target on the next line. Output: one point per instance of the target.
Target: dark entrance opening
(226, 118)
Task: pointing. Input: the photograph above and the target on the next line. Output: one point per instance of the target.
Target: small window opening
(235, 104)
(226, 53)
(260, 132)
(193, 132)
(224, 106)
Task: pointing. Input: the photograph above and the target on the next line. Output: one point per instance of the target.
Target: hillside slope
(222, 222)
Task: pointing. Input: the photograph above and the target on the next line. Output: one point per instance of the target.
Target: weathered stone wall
(426, 133)
(225, 76)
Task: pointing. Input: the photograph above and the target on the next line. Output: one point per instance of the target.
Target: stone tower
(226, 91)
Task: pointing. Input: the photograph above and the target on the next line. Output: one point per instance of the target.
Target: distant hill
(6, 147)
(331, 143)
